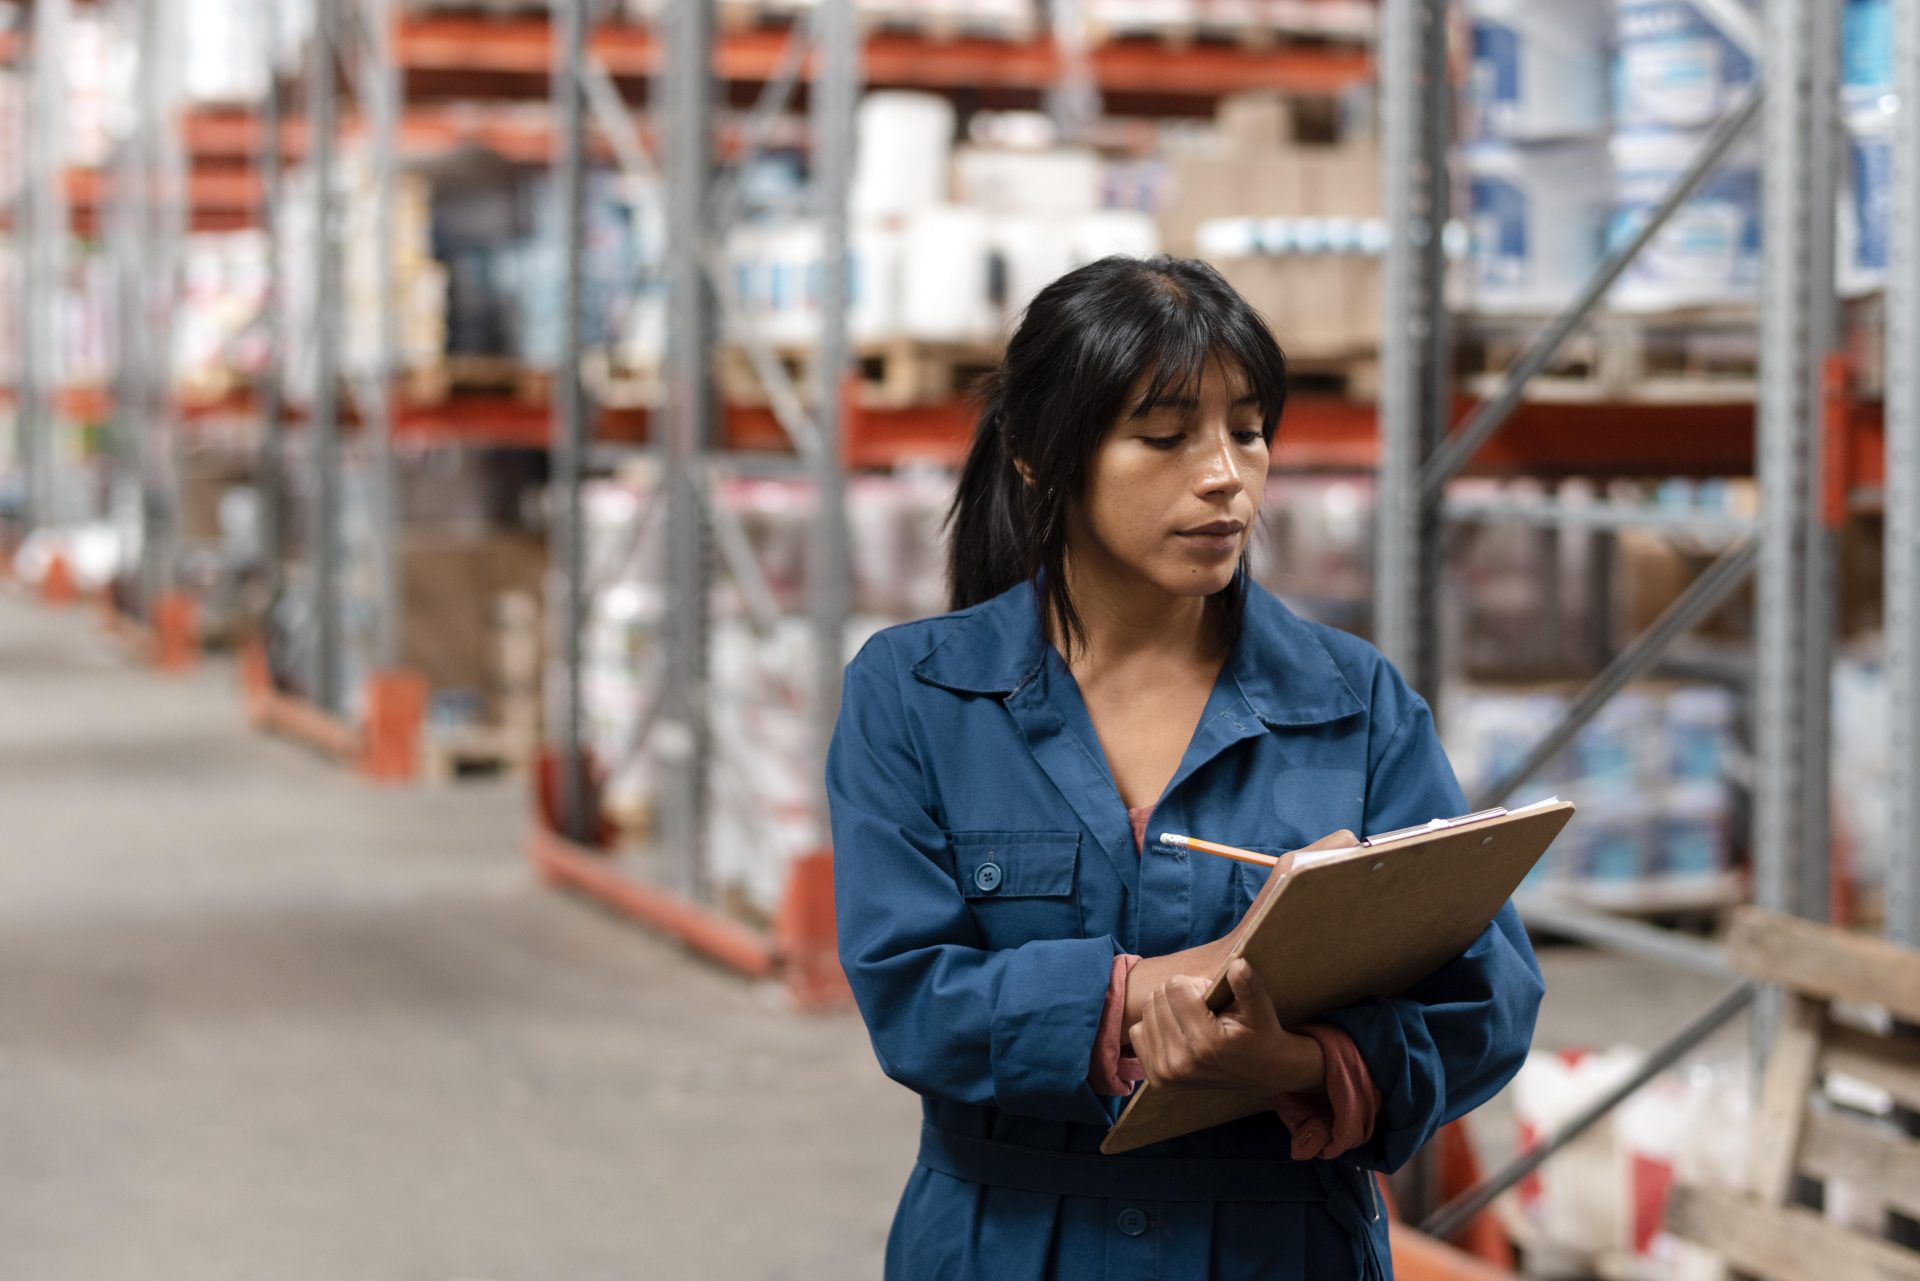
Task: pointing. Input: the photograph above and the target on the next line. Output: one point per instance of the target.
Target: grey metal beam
(1488, 416)
(1796, 325)
(1414, 352)
(123, 250)
(379, 83)
(1548, 912)
(1702, 597)
(270, 476)
(165, 210)
(1903, 484)
(570, 433)
(682, 736)
(324, 420)
(44, 248)
(835, 95)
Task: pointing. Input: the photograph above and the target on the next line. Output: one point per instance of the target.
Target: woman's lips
(1213, 544)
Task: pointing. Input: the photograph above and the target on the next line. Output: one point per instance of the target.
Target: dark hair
(1086, 340)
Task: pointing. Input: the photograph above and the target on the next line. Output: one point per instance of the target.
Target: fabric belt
(1346, 1190)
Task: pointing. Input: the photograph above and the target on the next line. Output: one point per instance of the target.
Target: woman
(1111, 670)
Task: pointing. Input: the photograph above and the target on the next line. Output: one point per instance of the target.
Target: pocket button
(987, 877)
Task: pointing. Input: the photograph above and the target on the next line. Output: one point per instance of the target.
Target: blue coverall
(986, 877)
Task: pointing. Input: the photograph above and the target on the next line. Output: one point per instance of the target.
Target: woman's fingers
(1249, 992)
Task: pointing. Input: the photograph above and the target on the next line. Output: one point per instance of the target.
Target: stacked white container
(1537, 180)
(1682, 65)
(1865, 197)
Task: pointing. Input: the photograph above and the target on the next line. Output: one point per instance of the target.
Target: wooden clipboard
(1351, 924)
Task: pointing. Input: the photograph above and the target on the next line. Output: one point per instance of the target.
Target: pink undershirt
(1323, 1123)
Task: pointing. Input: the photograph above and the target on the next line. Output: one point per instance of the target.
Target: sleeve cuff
(1114, 1072)
(1327, 1124)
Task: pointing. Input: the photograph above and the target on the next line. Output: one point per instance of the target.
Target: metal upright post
(570, 436)
(1414, 391)
(836, 93)
(681, 737)
(1903, 483)
(379, 83)
(271, 473)
(1797, 318)
(325, 540)
(165, 217)
(124, 498)
(45, 244)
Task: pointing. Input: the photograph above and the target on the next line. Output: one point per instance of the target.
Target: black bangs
(1096, 346)
(1189, 338)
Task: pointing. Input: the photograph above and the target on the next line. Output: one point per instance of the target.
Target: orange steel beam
(562, 862)
(271, 711)
(524, 47)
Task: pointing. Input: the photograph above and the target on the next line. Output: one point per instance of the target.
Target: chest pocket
(1248, 880)
(1019, 885)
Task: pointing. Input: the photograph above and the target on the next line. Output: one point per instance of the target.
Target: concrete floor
(259, 1020)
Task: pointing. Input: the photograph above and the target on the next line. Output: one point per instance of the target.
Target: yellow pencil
(1233, 852)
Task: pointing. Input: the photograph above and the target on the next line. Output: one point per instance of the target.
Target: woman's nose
(1219, 467)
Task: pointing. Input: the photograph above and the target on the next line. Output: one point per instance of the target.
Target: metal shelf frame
(42, 230)
(1792, 552)
(701, 203)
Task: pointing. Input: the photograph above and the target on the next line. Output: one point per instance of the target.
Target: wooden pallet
(933, 25)
(891, 374)
(435, 384)
(1177, 37)
(1669, 358)
(513, 741)
(1795, 1135)
(479, 8)
(470, 752)
(619, 384)
(1355, 375)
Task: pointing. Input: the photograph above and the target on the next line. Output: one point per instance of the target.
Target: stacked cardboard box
(1286, 202)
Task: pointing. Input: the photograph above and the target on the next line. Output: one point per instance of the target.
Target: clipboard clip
(1436, 825)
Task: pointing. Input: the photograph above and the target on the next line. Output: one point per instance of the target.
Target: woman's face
(1174, 487)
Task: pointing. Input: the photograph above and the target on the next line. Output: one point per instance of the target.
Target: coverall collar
(1281, 668)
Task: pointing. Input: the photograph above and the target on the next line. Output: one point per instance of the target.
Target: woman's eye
(1249, 437)
(1161, 442)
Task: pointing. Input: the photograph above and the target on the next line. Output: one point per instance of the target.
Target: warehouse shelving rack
(825, 427)
(1817, 453)
(1818, 456)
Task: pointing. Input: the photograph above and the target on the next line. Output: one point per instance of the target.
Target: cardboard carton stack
(1287, 204)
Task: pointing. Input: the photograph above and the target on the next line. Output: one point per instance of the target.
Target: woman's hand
(1203, 962)
(1339, 840)
(1180, 1041)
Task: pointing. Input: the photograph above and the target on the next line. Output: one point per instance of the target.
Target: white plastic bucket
(904, 149)
(1539, 68)
(1114, 231)
(1709, 251)
(945, 271)
(1866, 200)
(1677, 67)
(1057, 180)
(873, 285)
(1537, 217)
(1866, 59)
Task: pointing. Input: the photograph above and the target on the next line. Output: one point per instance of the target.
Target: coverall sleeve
(1454, 1039)
(1011, 1028)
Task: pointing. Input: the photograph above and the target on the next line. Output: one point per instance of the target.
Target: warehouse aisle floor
(262, 1022)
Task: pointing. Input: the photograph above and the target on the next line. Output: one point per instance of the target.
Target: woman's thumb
(1240, 979)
